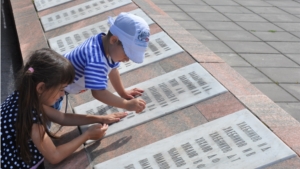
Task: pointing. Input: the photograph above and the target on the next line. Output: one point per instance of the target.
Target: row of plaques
(79, 12)
(163, 95)
(236, 141)
(45, 4)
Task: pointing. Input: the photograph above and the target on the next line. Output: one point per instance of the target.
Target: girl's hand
(131, 94)
(114, 117)
(97, 131)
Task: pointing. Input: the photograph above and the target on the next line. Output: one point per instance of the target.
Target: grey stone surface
(225, 26)
(296, 34)
(259, 26)
(231, 9)
(269, 60)
(280, 18)
(187, 2)
(291, 10)
(266, 10)
(217, 46)
(197, 8)
(285, 3)
(273, 35)
(202, 35)
(252, 3)
(245, 17)
(252, 74)
(208, 17)
(283, 75)
(274, 92)
(162, 2)
(221, 3)
(292, 109)
(169, 8)
(235, 36)
(179, 16)
(190, 25)
(294, 57)
(294, 89)
(233, 59)
(289, 26)
(286, 47)
(250, 47)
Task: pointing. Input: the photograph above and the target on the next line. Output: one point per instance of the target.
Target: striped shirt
(91, 65)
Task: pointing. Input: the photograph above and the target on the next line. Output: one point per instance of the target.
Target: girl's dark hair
(44, 65)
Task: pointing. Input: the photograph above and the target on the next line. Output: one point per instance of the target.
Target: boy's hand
(114, 117)
(137, 105)
(131, 94)
(97, 131)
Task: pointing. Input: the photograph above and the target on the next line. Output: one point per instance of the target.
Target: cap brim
(137, 55)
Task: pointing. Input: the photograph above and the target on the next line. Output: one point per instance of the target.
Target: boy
(99, 57)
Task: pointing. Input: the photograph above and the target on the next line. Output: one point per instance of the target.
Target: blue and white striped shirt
(91, 65)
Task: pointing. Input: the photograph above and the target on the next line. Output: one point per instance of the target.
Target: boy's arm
(116, 82)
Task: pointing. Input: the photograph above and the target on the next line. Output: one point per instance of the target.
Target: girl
(25, 139)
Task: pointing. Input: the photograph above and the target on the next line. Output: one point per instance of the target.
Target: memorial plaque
(163, 95)
(66, 42)
(236, 141)
(45, 4)
(79, 12)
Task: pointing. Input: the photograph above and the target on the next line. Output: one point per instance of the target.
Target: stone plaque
(66, 42)
(236, 141)
(45, 4)
(160, 46)
(79, 12)
(163, 95)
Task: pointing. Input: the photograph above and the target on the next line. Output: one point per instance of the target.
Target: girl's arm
(68, 119)
(55, 154)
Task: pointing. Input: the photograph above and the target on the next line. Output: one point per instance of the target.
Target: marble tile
(79, 12)
(163, 95)
(44, 4)
(244, 139)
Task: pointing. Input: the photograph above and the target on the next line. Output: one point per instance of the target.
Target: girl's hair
(44, 65)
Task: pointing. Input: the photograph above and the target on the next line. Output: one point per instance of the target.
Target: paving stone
(233, 59)
(245, 17)
(294, 89)
(286, 164)
(190, 25)
(252, 3)
(292, 108)
(286, 3)
(274, 92)
(286, 47)
(169, 8)
(276, 36)
(296, 34)
(266, 10)
(188, 2)
(294, 57)
(197, 8)
(231, 9)
(283, 75)
(252, 74)
(280, 17)
(235, 36)
(259, 26)
(289, 26)
(291, 10)
(202, 35)
(179, 16)
(208, 17)
(162, 2)
(221, 3)
(224, 26)
(250, 47)
(269, 60)
(217, 46)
